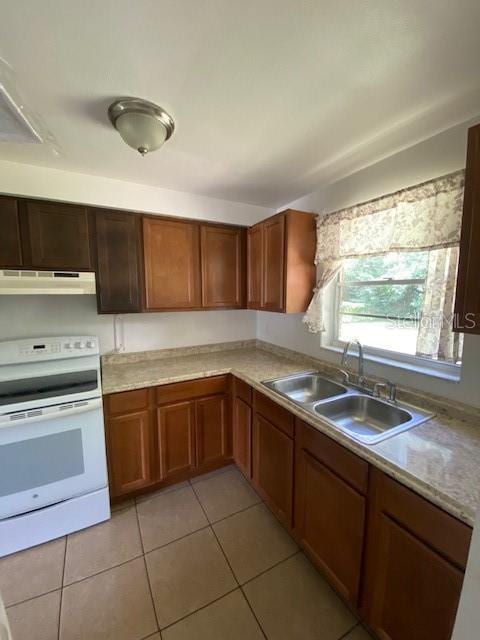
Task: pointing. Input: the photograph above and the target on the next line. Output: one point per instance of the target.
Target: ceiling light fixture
(143, 125)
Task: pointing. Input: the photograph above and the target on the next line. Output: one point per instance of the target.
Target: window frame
(329, 340)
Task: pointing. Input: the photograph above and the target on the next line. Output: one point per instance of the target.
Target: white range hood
(25, 282)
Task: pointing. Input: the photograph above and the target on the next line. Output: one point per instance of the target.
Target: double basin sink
(362, 416)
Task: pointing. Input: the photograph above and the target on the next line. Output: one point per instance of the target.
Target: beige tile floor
(204, 560)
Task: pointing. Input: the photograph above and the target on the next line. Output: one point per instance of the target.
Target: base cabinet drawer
(273, 453)
(130, 447)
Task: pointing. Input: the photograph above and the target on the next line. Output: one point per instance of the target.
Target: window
(380, 301)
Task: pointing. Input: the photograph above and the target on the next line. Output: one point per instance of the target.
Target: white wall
(437, 156)
(28, 316)
(53, 184)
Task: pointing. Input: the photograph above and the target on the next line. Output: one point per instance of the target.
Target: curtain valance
(422, 217)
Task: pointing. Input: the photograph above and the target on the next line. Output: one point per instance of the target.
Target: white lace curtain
(424, 217)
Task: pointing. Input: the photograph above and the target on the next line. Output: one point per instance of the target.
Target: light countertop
(438, 459)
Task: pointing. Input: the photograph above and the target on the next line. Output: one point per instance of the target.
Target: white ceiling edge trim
(54, 184)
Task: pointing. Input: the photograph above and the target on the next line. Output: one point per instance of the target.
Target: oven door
(49, 455)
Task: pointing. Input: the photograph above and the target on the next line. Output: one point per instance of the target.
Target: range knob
(68, 345)
(79, 345)
(90, 344)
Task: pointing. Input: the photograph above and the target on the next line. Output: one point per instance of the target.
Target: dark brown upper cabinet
(467, 303)
(11, 254)
(58, 236)
(281, 270)
(223, 266)
(172, 264)
(118, 250)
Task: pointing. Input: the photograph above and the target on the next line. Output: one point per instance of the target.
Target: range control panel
(31, 349)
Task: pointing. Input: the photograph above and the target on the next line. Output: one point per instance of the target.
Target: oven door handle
(48, 413)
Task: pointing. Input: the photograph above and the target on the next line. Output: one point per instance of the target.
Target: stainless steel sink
(306, 388)
(359, 414)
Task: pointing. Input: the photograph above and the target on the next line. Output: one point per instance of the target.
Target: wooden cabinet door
(129, 446)
(273, 467)
(255, 267)
(467, 303)
(172, 264)
(211, 430)
(242, 435)
(176, 427)
(118, 273)
(414, 591)
(223, 268)
(10, 239)
(330, 523)
(274, 263)
(59, 236)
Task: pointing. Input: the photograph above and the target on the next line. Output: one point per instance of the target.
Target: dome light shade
(143, 125)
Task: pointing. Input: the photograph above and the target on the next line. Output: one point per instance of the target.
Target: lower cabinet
(176, 429)
(273, 453)
(130, 448)
(212, 438)
(167, 433)
(330, 510)
(242, 436)
(416, 556)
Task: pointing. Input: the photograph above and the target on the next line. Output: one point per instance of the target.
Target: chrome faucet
(361, 372)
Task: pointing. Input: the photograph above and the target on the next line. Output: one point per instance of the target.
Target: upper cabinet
(281, 270)
(118, 249)
(467, 304)
(172, 264)
(11, 254)
(223, 272)
(58, 236)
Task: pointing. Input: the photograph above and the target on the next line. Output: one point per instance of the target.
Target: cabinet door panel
(129, 442)
(255, 267)
(59, 237)
(176, 424)
(10, 239)
(242, 435)
(467, 303)
(222, 267)
(273, 467)
(211, 430)
(414, 592)
(118, 273)
(330, 522)
(172, 264)
(273, 263)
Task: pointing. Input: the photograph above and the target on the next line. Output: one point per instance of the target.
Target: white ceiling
(271, 98)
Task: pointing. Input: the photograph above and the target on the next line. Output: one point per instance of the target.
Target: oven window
(61, 384)
(33, 463)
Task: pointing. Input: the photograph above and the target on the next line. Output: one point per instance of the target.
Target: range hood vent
(26, 282)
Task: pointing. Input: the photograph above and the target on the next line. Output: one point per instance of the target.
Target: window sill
(450, 376)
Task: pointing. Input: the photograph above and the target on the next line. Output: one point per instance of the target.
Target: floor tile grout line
(204, 606)
(252, 506)
(61, 589)
(40, 595)
(98, 573)
(274, 566)
(146, 570)
(231, 569)
(253, 612)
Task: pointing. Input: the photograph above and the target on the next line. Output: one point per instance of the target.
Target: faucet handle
(376, 388)
(392, 391)
(346, 376)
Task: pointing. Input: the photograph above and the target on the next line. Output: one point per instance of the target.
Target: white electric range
(53, 473)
